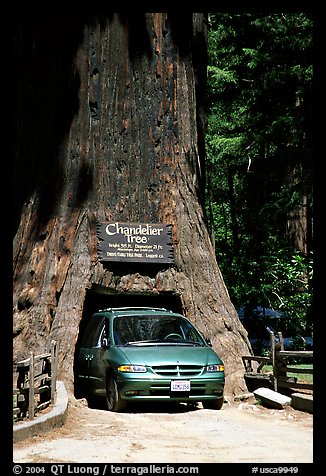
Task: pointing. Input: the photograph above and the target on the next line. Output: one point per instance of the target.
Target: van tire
(113, 400)
(213, 404)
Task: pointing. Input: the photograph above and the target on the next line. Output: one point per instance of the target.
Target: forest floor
(241, 432)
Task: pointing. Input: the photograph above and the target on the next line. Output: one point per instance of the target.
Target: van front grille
(178, 370)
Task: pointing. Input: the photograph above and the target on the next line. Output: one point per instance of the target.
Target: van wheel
(113, 400)
(213, 404)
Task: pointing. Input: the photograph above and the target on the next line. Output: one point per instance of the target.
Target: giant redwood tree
(109, 126)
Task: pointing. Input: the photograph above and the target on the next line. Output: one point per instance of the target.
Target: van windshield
(139, 330)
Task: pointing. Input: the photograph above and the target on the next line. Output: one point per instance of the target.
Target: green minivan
(136, 354)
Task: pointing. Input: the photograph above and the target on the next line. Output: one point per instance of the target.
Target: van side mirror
(208, 341)
(105, 342)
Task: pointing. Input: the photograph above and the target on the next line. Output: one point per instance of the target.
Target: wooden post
(54, 364)
(280, 337)
(31, 387)
(271, 333)
(280, 361)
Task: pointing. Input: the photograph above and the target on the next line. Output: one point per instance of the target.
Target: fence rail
(278, 359)
(35, 383)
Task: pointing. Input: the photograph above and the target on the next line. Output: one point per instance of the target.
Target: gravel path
(239, 433)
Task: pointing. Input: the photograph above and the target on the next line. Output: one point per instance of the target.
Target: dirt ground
(241, 432)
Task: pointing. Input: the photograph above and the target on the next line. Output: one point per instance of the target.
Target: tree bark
(107, 126)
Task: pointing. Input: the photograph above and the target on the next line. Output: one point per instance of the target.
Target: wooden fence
(279, 360)
(35, 384)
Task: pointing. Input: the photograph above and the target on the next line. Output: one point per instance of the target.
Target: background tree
(259, 148)
(109, 125)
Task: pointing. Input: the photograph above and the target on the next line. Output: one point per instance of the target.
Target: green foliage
(289, 287)
(258, 146)
(307, 378)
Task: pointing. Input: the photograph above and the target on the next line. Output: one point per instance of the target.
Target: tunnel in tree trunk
(100, 297)
(110, 125)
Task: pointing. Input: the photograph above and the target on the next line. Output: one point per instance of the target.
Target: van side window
(92, 332)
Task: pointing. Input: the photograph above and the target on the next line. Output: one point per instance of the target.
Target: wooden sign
(135, 242)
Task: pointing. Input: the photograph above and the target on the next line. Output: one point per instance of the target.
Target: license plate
(180, 385)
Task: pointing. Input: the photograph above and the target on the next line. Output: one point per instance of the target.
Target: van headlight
(132, 368)
(215, 368)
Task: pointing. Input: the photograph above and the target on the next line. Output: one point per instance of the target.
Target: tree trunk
(107, 129)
